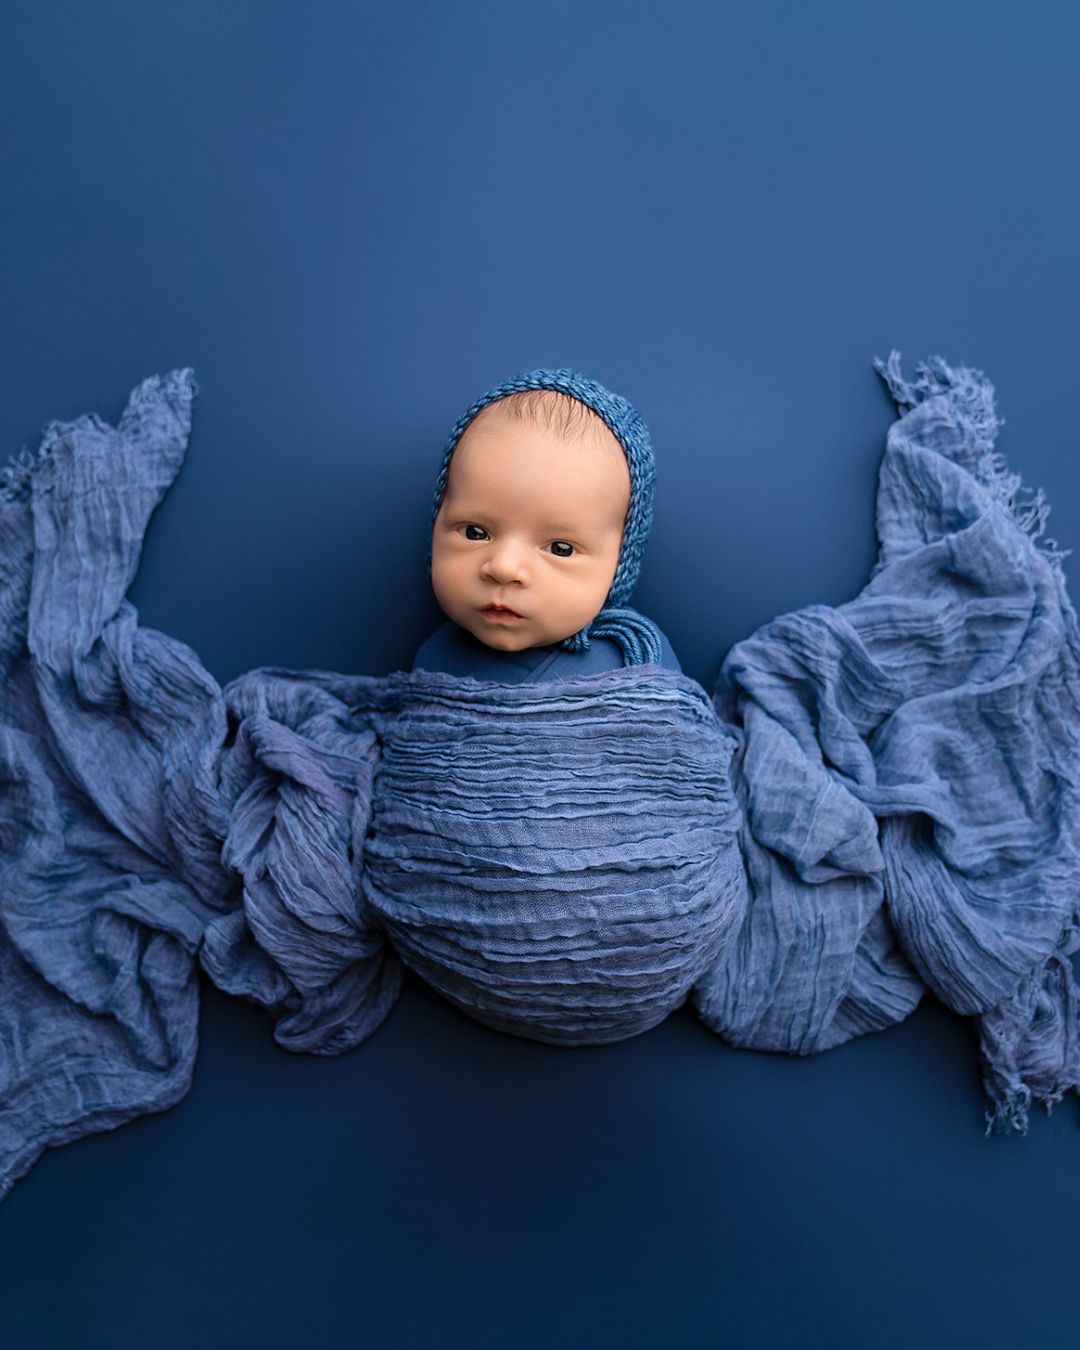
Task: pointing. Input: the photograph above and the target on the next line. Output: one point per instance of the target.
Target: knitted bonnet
(637, 636)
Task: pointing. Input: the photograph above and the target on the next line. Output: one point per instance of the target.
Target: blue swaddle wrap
(559, 860)
(879, 798)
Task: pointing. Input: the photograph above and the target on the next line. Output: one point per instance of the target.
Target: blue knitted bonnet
(636, 635)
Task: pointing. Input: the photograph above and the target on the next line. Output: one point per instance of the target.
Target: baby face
(532, 522)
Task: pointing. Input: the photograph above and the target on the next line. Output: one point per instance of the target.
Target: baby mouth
(500, 612)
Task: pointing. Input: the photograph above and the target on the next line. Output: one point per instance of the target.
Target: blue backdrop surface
(351, 219)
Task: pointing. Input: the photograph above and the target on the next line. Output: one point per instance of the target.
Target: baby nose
(505, 563)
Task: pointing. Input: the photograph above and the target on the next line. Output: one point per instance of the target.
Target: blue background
(351, 219)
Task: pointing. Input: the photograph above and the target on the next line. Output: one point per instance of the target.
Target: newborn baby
(541, 512)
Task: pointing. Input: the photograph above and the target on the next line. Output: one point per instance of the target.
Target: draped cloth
(877, 799)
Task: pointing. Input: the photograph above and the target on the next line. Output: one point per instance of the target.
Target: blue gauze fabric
(878, 799)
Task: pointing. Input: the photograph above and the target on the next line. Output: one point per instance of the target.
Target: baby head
(542, 509)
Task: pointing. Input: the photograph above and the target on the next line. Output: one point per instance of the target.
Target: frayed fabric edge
(1030, 1046)
(17, 473)
(970, 395)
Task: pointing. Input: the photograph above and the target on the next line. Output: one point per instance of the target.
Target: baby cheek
(454, 576)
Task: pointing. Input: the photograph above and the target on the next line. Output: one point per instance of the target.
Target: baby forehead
(546, 436)
(544, 454)
(550, 481)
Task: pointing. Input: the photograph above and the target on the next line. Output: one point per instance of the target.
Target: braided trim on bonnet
(637, 636)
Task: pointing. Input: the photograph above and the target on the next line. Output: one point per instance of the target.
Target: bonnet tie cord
(636, 634)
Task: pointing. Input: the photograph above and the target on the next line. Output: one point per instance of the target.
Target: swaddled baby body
(583, 869)
(541, 514)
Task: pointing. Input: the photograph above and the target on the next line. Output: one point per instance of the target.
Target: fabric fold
(298, 779)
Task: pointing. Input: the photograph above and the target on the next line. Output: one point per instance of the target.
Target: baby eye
(474, 527)
(560, 544)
